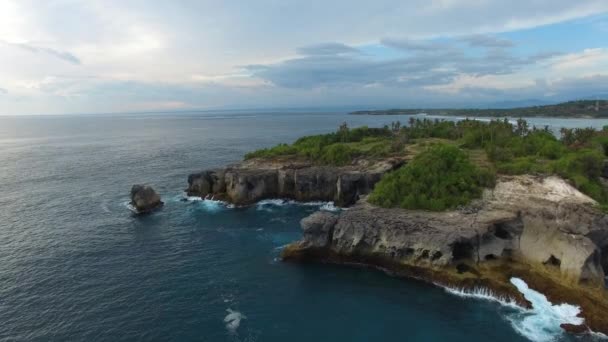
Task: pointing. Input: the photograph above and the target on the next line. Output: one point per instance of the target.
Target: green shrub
(439, 178)
(584, 168)
(337, 154)
(588, 163)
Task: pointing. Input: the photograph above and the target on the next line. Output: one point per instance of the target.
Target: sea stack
(144, 199)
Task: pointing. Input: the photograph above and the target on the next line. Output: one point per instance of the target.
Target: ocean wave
(104, 206)
(542, 322)
(482, 293)
(233, 320)
(329, 206)
(208, 203)
(269, 204)
(127, 204)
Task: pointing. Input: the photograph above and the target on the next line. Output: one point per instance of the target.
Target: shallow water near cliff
(75, 264)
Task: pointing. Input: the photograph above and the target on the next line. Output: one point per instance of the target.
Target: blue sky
(66, 56)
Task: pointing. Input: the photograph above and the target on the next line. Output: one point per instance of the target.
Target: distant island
(570, 109)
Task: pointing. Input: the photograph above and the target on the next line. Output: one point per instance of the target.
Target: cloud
(3, 91)
(413, 45)
(428, 63)
(385, 51)
(482, 40)
(327, 49)
(63, 55)
(587, 62)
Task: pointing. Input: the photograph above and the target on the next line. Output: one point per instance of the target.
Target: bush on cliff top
(337, 148)
(577, 154)
(440, 178)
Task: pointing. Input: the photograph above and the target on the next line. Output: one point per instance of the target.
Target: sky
(101, 56)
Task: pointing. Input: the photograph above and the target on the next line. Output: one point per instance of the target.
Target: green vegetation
(337, 148)
(439, 178)
(581, 108)
(450, 162)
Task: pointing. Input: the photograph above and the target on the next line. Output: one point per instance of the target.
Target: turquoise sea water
(75, 265)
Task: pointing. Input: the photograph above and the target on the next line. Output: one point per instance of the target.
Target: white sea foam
(277, 202)
(268, 204)
(104, 206)
(482, 293)
(208, 203)
(233, 320)
(542, 322)
(128, 205)
(329, 206)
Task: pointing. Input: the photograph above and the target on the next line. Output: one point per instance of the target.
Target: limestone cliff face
(251, 181)
(543, 222)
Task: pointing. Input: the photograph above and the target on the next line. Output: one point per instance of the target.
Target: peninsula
(571, 109)
(464, 204)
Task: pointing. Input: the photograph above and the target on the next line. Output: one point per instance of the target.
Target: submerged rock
(144, 199)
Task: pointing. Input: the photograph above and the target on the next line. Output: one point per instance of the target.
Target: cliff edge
(257, 179)
(540, 229)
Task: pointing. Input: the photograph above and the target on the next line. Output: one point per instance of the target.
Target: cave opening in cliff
(553, 261)
(500, 231)
(508, 229)
(462, 250)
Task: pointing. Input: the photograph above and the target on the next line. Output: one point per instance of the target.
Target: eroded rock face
(251, 181)
(144, 199)
(538, 221)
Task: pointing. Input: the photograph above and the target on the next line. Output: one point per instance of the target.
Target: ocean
(76, 265)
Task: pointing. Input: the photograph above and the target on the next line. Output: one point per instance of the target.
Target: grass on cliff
(339, 148)
(494, 147)
(440, 178)
(578, 155)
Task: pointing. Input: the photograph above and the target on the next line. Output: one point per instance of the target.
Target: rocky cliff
(254, 180)
(540, 229)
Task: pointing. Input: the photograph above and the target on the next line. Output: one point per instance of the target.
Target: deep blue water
(75, 265)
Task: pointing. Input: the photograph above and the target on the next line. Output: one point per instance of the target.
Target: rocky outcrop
(254, 180)
(144, 199)
(543, 221)
(533, 227)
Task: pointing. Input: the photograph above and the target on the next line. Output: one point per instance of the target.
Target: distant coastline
(588, 109)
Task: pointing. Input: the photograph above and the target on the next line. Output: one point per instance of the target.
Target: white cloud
(69, 49)
(586, 63)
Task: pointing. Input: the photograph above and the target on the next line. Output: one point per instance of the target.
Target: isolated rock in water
(144, 199)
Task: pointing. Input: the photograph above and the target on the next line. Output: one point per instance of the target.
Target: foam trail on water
(128, 205)
(104, 206)
(482, 293)
(233, 320)
(268, 204)
(208, 203)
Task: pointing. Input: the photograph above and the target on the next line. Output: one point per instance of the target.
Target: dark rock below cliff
(144, 199)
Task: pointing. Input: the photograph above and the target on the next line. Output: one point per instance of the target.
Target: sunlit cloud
(202, 54)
